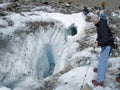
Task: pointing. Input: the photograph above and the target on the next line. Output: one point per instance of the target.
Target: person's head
(85, 11)
(95, 18)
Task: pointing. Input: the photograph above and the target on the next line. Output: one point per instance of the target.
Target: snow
(26, 60)
(43, 8)
(74, 79)
(3, 23)
(66, 20)
(4, 88)
(4, 4)
(77, 78)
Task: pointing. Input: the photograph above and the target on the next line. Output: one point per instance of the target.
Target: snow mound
(4, 88)
(76, 78)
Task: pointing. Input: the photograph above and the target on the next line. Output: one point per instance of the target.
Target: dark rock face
(114, 4)
(63, 6)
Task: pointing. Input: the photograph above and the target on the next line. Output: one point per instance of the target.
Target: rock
(2, 12)
(97, 8)
(68, 68)
(46, 3)
(118, 27)
(68, 5)
(11, 6)
(86, 87)
(88, 18)
(3, 23)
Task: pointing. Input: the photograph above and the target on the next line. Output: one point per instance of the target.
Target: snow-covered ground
(34, 48)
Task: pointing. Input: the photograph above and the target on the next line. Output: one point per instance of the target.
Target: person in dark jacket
(103, 5)
(105, 41)
(85, 11)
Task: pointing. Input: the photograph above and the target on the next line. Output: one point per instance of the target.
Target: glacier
(35, 45)
(36, 52)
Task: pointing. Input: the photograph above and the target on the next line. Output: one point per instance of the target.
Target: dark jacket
(104, 34)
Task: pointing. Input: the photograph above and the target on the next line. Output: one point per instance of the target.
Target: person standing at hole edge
(118, 78)
(85, 11)
(105, 41)
(103, 5)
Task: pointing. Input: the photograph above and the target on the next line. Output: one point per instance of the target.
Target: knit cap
(103, 16)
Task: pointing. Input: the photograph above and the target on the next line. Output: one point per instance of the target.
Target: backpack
(115, 44)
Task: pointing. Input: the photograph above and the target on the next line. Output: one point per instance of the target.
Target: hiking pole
(87, 70)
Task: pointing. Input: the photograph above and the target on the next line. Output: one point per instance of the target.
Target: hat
(103, 16)
(94, 17)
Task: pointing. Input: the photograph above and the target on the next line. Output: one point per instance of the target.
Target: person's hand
(95, 45)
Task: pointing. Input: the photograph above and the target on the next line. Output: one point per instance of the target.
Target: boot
(118, 79)
(97, 83)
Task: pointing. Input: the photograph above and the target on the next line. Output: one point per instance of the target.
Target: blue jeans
(103, 61)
